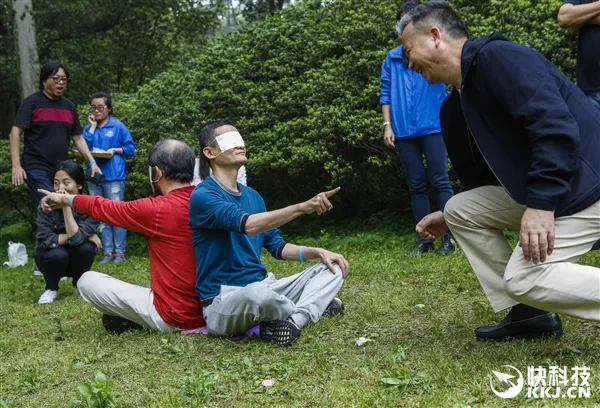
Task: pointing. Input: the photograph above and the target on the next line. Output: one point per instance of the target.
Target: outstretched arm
(268, 220)
(138, 215)
(575, 16)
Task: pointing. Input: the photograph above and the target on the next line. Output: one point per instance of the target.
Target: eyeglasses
(99, 108)
(59, 79)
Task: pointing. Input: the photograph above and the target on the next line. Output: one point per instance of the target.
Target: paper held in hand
(99, 153)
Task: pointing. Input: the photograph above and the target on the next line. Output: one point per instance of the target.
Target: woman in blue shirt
(107, 134)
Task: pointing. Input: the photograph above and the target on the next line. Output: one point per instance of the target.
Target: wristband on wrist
(387, 123)
(300, 255)
(92, 162)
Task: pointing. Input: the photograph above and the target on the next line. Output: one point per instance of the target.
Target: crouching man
(527, 146)
(171, 302)
(230, 226)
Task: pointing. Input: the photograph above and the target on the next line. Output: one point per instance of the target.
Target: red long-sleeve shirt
(164, 221)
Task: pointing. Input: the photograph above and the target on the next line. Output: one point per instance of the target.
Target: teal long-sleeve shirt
(225, 255)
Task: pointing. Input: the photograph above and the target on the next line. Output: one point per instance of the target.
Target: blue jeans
(411, 152)
(39, 178)
(114, 239)
(595, 98)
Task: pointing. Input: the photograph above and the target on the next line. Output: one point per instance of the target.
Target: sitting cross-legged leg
(114, 297)
(289, 303)
(312, 291)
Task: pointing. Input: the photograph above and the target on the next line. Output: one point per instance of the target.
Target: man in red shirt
(171, 302)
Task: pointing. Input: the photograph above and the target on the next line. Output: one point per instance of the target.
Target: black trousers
(65, 260)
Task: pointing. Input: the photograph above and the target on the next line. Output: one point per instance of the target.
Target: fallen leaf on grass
(362, 341)
(268, 383)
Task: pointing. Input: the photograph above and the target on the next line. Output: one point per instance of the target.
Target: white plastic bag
(17, 255)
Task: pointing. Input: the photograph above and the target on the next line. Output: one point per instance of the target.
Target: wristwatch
(386, 123)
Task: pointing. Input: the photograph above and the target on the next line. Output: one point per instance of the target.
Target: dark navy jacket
(525, 125)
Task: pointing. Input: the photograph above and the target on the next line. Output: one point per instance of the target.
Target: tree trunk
(26, 45)
(231, 17)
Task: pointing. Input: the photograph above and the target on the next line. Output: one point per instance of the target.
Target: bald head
(174, 158)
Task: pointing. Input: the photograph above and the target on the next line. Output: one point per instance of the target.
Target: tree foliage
(303, 86)
(254, 10)
(115, 45)
(9, 86)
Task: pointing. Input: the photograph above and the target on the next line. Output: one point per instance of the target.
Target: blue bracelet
(92, 162)
(300, 257)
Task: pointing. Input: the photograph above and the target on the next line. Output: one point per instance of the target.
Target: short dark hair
(49, 69)
(106, 97)
(74, 170)
(207, 138)
(435, 12)
(175, 158)
(405, 7)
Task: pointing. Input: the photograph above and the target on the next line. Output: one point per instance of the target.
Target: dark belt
(207, 302)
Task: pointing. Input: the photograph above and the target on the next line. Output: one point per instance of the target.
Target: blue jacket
(414, 104)
(113, 134)
(536, 132)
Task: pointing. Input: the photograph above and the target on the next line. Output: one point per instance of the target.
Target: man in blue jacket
(525, 139)
(411, 121)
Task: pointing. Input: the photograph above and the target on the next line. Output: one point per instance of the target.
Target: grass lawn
(428, 353)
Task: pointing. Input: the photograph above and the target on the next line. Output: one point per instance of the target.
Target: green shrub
(16, 206)
(303, 86)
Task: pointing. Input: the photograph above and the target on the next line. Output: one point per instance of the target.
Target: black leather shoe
(544, 325)
(447, 246)
(422, 247)
(118, 325)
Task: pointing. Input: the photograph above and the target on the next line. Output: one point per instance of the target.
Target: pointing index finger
(332, 192)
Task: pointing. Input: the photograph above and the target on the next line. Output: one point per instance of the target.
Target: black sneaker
(281, 332)
(447, 246)
(118, 325)
(421, 247)
(336, 307)
(266, 330)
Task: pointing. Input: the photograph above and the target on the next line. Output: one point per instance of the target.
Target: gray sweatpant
(303, 297)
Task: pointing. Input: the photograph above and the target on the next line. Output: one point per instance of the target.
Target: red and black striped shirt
(49, 125)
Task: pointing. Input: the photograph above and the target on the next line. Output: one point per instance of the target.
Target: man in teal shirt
(230, 226)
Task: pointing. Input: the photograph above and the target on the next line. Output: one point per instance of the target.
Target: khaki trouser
(477, 218)
(114, 297)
